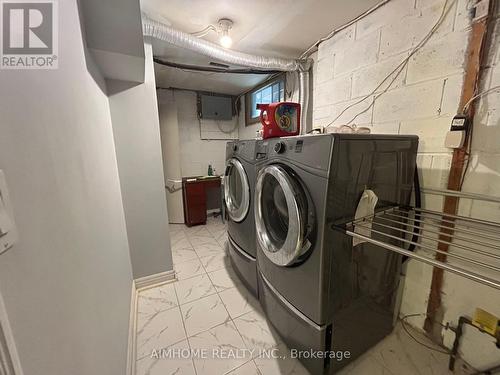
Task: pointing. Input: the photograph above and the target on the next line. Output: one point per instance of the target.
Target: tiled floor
(208, 308)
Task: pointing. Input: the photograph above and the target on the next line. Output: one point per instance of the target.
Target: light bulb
(225, 41)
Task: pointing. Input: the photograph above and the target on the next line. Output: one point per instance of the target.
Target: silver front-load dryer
(319, 292)
(239, 182)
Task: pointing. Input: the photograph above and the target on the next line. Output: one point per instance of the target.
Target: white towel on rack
(366, 207)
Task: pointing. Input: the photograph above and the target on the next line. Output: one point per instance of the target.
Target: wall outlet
(8, 230)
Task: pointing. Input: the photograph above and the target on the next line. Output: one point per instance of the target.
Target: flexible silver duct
(181, 39)
(158, 30)
(304, 100)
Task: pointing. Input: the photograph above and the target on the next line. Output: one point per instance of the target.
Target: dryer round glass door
(280, 215)
(236, 191)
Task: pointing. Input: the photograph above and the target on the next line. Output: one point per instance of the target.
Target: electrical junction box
(455, 138)
(486, 321)
(215, 107)
(8, 231)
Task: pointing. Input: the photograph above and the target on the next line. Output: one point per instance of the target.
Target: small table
(194, 196)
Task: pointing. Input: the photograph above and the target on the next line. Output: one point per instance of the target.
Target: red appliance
(279, 119)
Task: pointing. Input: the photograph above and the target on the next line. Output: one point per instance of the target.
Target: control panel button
(279, 147)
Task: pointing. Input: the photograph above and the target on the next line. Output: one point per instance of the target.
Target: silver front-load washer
(319, 292)
(239, 182)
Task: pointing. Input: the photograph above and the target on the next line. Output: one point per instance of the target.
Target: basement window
(269, 92)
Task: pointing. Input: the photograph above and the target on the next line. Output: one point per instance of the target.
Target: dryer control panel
(245, 150)
(311, 150)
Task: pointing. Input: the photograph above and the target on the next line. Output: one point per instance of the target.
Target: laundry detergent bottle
(280, 119)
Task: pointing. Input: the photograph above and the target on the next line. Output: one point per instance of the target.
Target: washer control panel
(311, 150)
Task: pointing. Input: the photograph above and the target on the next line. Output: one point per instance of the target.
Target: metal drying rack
(474, 244)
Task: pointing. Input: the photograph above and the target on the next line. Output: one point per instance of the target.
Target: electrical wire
(213, 69)
(227, 131)
(477, 96)
(205, 31)
(403, 324)
(293, 77)
(469, 157)
(469, 146)
(399, 68)
(309, 51)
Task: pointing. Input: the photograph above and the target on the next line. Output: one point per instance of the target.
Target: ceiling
(282, 28)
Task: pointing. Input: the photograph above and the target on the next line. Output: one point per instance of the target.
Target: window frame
(248, 97)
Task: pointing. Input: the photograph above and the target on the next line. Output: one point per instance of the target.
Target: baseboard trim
(131, 355)
(142, 283)
(157, 279)
(8, 350)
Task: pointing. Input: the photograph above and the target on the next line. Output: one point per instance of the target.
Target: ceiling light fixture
(222, 28)
(225, 25)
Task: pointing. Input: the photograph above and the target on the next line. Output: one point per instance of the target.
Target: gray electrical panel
(216, 107)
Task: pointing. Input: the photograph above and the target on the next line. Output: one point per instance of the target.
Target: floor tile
(216, 226)
(177, 235)
(175, 228)
(256, 331)
(198, 239)
(248, 368)
(282, 364)
(159, 330)
(189, 268)
(197, 230)
(214, 262)
(226, 350)
(194, 288)
(366, 365)
(167, 364)
(206, 249)
(400, 353)
(156, 299)
(218, 233)
(224, 279)
(222, 240)
(180, 241)
(183, 255)
(203, 314)
(238, 301)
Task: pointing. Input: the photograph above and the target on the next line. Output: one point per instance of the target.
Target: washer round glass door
(236, 190)
(280, 215)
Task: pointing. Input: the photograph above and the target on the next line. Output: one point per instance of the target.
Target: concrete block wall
(422, 100)
(201, 148)
(461, 296)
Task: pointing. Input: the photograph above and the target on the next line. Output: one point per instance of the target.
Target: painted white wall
(244, 131)
(67, 282)
(170, 144)
(190, 145)
(422, 101)
(199, 148)
(136, 128)
(116, 43)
